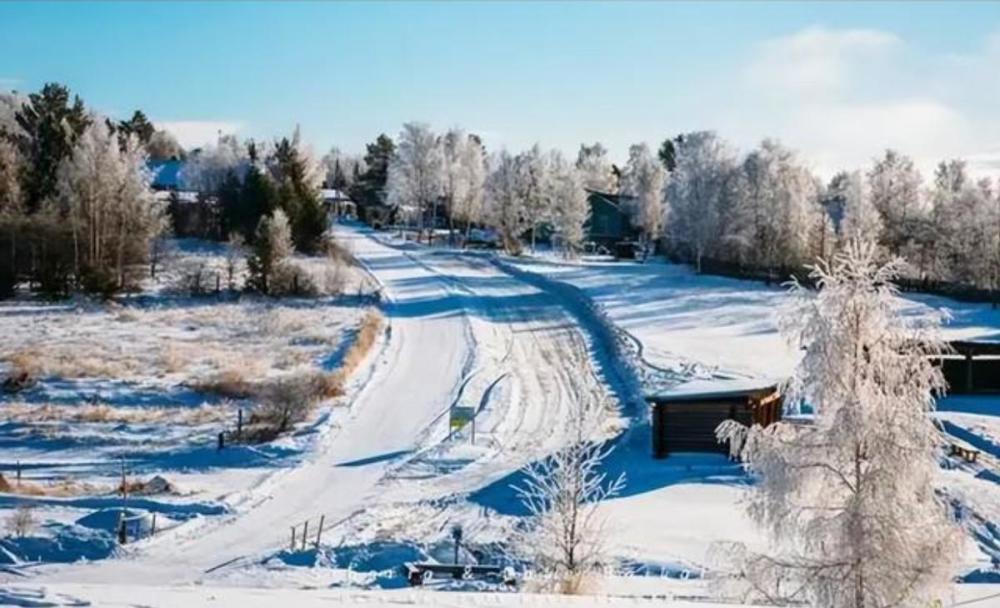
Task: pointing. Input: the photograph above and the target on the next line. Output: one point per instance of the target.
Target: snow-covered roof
(333, 194)
(715, 388)
(166, 173)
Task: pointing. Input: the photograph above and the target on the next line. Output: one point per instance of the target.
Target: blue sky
(836, 81)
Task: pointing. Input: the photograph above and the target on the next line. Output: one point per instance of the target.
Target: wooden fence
(776, 275)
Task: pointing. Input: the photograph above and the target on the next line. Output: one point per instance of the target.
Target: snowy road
(462, 331)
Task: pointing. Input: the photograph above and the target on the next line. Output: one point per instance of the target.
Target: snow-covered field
(147, 384)
(703, 331)
(515, 341)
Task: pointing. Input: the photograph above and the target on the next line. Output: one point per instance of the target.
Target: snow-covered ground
(514, 341)
(702, 332)
(140, 384)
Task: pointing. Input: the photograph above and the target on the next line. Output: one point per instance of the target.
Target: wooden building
(608, 222)
(972, 367)
(685, 419)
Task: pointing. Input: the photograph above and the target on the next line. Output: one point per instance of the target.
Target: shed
(338, 203)
(972, 367)
(608, 222)
(684, 419)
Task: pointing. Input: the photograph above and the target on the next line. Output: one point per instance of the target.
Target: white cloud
(843, 96)
(816, 61)
(197, 133)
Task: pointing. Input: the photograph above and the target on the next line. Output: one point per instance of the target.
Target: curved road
(453, 322)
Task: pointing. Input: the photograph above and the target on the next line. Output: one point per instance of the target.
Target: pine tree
(298, 178)
(139, 126)
(50, 125)
(369, 186)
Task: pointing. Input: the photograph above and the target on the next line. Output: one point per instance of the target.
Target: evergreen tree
(298, 179)
(51, 125)
(272, 245)
(668, 154)
(369, 187)
(139, 126)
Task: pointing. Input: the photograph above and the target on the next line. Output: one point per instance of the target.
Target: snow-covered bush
(22, 521)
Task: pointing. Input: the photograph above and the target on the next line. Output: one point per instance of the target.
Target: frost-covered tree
(848, 501)
(104, 193)
(595, 168)
(566, 535)
(776, 210)
(532, 180)
(504, 205)
(700, 188)
(569, 204)
(207, 169)
(341, 170)
(894, 185)
(272, 246)
(860, 220)
(643, 179)
(464, 174)
(162, 145)
(416, 172)
(11, 212)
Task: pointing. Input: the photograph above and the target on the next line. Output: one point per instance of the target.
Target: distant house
(191, 215)
(685, 418)
(972, 367)
(338, 204)
(609, 222)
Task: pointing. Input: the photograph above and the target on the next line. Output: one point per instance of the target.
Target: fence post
(295, 283)
(292, 546)
(319, 532)
(18, 473)
(239, 425)
(152, 527)
(305, 533)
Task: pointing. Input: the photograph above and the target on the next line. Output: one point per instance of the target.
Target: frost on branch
(566, 534)
(848, 502)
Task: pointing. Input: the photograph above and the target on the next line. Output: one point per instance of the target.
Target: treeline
(251, 180)
(76, 210)
(767, 210)
(696, 197)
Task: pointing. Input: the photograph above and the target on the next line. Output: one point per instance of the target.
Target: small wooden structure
(972, 367)
(419, 572)
(685, 419)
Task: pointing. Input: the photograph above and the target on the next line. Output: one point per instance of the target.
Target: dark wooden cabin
(972, 367)
(685, 420)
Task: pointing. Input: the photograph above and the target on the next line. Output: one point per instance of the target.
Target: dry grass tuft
(102, 413)
(229, 383)
(371, 324)
(25, 363)
(60, 489)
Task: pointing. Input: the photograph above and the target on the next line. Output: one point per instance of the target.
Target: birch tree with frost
(643, 179)
(566, 534)
(595, 168)
(570, 208)
(416, 171)
(504, 205)
(848, 501)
